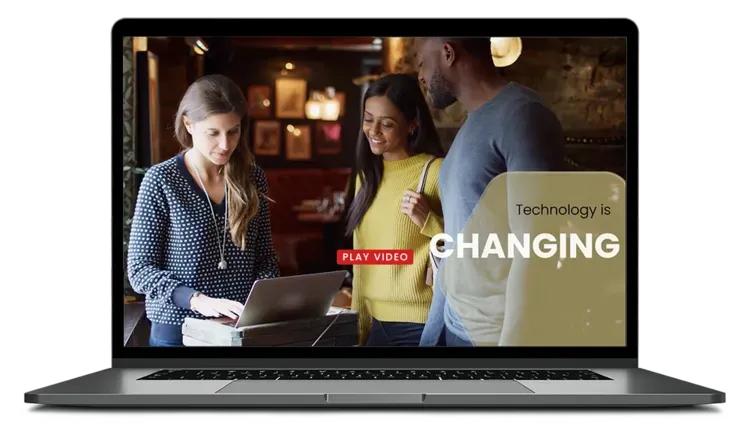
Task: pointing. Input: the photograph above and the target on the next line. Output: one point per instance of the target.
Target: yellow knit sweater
(396, 292)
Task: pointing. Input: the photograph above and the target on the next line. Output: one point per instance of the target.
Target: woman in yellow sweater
(398, 139)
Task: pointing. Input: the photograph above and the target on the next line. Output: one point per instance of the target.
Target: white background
(703, 418)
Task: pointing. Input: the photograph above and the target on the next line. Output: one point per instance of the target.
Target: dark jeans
(394, 334)
(155, 342)
(163, 335)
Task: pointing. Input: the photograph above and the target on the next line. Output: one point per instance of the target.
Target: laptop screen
(386, 191)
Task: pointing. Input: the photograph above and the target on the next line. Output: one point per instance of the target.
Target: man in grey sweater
(508, 129)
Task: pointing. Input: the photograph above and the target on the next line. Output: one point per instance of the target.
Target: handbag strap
(423, 176)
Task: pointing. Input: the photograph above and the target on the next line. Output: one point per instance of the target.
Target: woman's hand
(415, 206)
(215, 307)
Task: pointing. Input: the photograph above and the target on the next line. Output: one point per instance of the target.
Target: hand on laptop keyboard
(215, 307)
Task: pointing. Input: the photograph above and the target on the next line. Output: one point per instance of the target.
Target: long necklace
(222, 262)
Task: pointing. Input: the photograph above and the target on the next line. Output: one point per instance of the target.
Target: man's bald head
(474, 48)
(440, 61)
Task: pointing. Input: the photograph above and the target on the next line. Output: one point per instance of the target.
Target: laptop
(290, 298)
(589, 359)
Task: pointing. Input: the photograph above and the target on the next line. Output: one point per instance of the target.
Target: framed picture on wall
(259, 101)
(267, 138)
(298, 142)
(291, 94)
(328, 138)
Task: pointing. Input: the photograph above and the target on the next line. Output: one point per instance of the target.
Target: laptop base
(628, 388)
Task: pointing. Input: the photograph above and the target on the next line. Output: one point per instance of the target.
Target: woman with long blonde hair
(201, 230)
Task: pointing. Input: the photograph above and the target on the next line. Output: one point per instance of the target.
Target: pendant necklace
(222, 262)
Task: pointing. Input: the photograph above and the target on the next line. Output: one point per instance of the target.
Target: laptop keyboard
(206, 374)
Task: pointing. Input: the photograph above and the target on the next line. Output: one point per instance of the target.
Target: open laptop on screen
(480, 186)
(290, 298)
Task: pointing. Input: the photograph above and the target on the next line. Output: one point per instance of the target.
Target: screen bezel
(405, 28)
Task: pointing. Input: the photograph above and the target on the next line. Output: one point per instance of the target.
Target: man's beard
(440, 94)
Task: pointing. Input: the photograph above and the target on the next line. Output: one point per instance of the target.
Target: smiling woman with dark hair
(397, 145)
